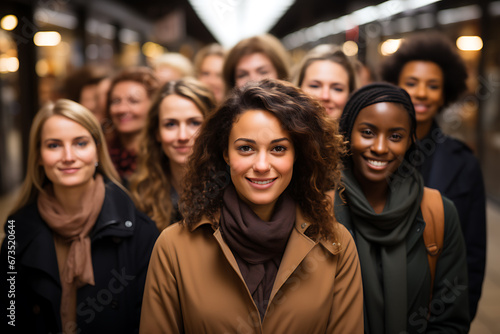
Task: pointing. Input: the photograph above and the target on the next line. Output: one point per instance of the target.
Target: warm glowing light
(389, 46)
(8, 22)
(152, 50)
(47, 38)
(10, 64)
(469, 43)
(350, 48)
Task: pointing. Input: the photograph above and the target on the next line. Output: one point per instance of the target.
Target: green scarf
(386, 300)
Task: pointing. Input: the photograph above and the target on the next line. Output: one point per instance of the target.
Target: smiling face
(379, 140)
(261, 156)
(328, 82)
(254, 67)
(179, 122)
(129, 104)
(424, 82)
(68, 153)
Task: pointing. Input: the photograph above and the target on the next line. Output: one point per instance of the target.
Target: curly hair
(435, 48)
(266, 44)
(318, 149)
(150, 185)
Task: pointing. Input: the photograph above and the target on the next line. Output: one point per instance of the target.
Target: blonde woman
(176, 114)
(81, 248)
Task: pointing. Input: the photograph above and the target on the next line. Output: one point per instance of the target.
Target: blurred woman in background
(254, 59)
(327, 74)
(129, 100)
(81, 246)
(176, 115)
(208, 65)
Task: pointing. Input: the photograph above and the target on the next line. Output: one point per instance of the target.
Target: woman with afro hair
(434, 75)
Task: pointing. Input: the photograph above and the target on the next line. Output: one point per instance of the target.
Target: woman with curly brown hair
(173, 122)
(129, 98)
(430, 69)
(259, 249)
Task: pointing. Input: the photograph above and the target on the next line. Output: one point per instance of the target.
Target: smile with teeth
(377, 163)
(262, 182)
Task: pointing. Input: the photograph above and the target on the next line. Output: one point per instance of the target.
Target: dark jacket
(122, 241)
(451, 167)
(449, 306)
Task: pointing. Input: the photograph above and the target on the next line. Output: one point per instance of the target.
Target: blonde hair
(213, 49)
(35, 175)
(175, 60)
(150, 185)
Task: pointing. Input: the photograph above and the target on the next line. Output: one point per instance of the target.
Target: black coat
(451, 167)
(122, 241)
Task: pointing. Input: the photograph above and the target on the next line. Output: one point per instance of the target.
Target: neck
(130, 141)
(423, 128)
(376, 195)
(177, 173)
(71, 198)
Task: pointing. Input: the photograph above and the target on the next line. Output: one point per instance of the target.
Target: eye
(396, 137)
(409, 84)
(114, 101)
(263, 72)
(313, 86)
(196, 123)
(338, 89)
(53, 145)
(244, 149)
(366, 133)
(434, 87)
(82, 143)
(169, 124)
(279, 149)
(241, 75)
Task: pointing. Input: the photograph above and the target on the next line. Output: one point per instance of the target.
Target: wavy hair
(318, 149)
(35, 178)
(150, 185)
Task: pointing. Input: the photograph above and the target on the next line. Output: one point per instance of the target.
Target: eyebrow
(432, 79)
(77, 138)
(391, 129)
(254, 142)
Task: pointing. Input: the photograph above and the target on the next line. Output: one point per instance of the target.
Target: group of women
(300, 206)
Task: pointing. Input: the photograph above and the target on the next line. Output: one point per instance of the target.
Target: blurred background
(42, 41)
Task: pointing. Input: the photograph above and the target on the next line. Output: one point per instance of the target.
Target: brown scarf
(258, 245)
(74, 231)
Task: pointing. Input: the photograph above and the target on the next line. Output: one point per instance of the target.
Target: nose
(68, 154)
(261, 164)
(379, 146)
(325, 93)
(421, 91)
(183, 132)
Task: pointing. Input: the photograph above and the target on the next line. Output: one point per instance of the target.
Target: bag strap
(433, 213)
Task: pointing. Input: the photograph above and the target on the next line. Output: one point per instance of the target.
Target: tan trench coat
(194, 286)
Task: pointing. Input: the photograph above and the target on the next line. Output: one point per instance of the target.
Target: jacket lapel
(297, 248)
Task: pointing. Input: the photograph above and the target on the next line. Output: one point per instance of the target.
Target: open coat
(194, 286)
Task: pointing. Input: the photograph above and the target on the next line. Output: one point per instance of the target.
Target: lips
(69, 170)
(262, 182)
(183, 149)
(420, 108)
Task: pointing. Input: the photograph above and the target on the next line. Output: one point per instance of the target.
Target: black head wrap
(376, 93)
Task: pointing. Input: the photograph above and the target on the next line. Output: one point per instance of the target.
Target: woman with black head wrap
(381, 207)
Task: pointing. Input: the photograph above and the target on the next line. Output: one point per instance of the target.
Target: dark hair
(434, 48)
(376, 93)
(318, 150)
